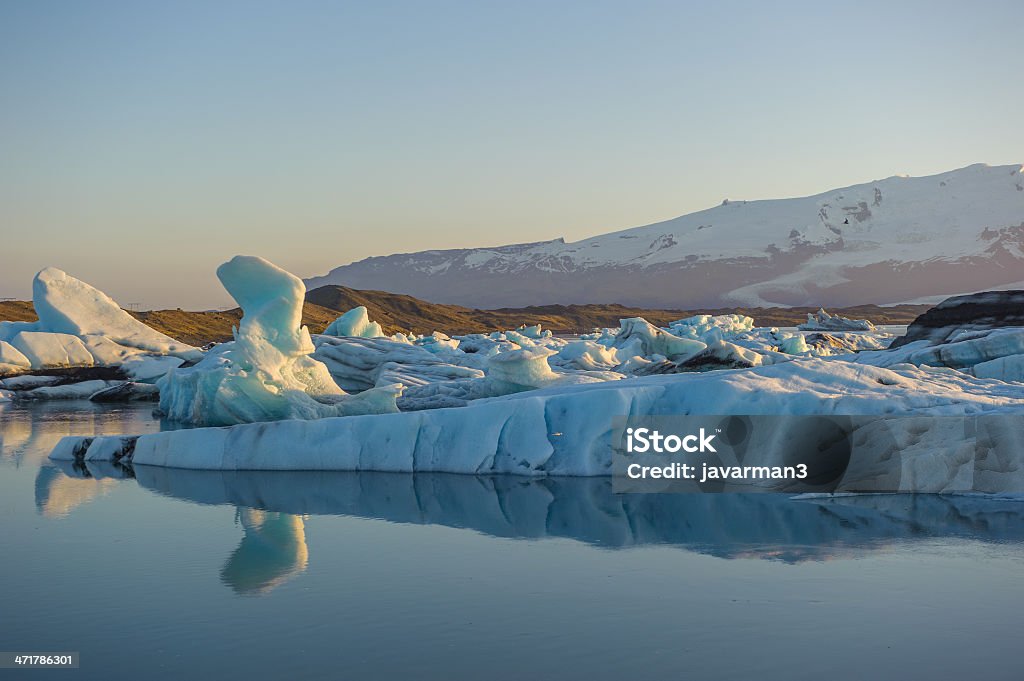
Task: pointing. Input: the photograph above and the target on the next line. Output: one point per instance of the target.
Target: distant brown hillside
(404, 312)
(397, 312)
(194, 328)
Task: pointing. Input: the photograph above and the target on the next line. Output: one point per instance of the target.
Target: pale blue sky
(143, 143)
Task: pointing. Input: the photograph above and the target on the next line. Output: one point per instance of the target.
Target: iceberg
(354, 324)
(698, 326)
(80, 326)
(267, 373)
(362, 363)
(1006, 368)
(66, 305)
(823, 321)
(566, 430)
(637, 336)
(990, 353)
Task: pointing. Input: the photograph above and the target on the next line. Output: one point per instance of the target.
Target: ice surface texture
(567, 430)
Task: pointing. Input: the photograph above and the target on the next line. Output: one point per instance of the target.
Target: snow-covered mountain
(893, 240)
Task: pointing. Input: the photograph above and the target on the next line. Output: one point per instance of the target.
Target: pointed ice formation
(267, 373)
(66, 305)
(354, 324)
(823, 321)
(80, 326)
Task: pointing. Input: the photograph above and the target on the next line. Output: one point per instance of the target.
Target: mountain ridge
(884, 241)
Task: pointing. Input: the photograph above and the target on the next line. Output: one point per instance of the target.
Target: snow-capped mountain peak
(883, 241)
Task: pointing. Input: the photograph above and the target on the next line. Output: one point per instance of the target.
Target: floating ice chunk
(71, 391)
(361, 363)
(103, 448)
(587, 355)
(106, 352)
(521, 369)
(79, 326)
(794, 345)
(533, 332)
(638, 332)
(841, 343)
(698, 326)
(28, 381)
(415, 375)
(149, 368)
(438, 343)
(355, 324)
(479, 344)
(268, 373)
(508, 372)
(67, 305)
(637, 364)
(823, 321)
(12, 360)
(520, 339)
(722, 354)
(51, 350)
(1009, 368)
(969, 350)
(128, 391)
(566, 430)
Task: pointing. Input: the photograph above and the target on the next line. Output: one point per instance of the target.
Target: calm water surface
(193, 575)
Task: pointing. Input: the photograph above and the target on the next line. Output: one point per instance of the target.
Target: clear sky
(143, 143)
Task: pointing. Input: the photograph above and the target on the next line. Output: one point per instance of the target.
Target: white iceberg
(268, 372)
(362, 363)
(80, 326)
(354, 324)
(637, 336)
(823, 321)
(82, 390)
(566, 430)
(1007, 368)
(698, 326)
(988, 353)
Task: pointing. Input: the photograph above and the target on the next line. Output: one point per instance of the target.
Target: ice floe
(567, 430)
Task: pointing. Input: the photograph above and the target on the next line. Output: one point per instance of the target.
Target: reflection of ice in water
(272, 551)
(58, 494)
(29, 432)
(765, 526)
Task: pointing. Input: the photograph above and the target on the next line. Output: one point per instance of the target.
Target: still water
(190, 575)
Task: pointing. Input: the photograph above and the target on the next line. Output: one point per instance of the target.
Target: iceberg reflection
(272, 551)
(585, 509)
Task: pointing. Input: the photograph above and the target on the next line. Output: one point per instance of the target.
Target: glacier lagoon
(293, 574)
